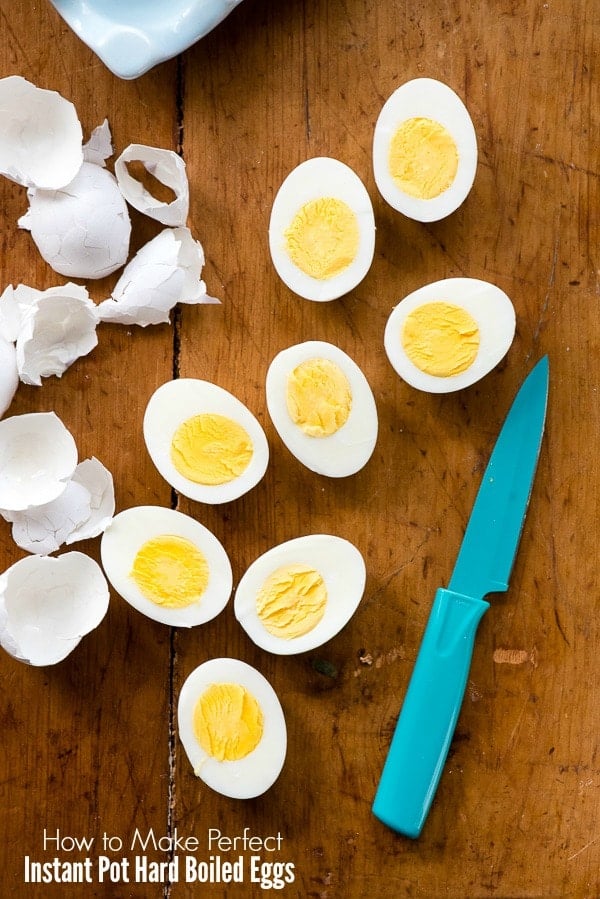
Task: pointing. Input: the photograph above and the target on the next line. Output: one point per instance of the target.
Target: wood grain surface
(90, 746)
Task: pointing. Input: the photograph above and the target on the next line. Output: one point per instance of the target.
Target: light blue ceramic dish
(132, 36)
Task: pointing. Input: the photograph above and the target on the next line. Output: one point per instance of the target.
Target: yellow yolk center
(318, 397)
(211, 449)
(170, 571)
(322, 239)
(292, 601)
(228, 722)
(441, 339)
(423, 158)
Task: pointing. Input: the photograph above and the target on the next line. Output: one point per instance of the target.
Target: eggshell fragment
(82, 511)
(9, 375)
(168, 168)
(52, 328)
(41, 140)
(165, 271)
(83, 229)
(99, 147)
(38, 457)
(48, 604)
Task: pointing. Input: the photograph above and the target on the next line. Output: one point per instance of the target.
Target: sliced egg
(47, 604)
(232, 728)
(38, 456)
(166, 565)
(203, 440)
(424, 150)
(322, 230)
(322, 408)
(300, 594)
(449, 334)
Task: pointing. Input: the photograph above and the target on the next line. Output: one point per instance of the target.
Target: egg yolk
(170, 571)
(423, 158)
(228, 722)
(211, 449)
(292, 601)
(440, 338)
(323, 237)
(318, 397)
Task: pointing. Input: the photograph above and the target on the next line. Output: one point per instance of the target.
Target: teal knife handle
(429, 713)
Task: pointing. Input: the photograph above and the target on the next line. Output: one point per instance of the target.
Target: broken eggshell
(84, 510)
(47, 604)
(9, 375)
(41, 139)
(165, 271)
(83, 229)
(38, 457)
(51, 328)
(99, 147)
(168, 168)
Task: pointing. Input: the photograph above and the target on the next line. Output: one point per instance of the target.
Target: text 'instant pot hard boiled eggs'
(322, 408)
(204, 442)
(300, 594)
(232, 728)
(447, 335)
(166, 565)
(322, 230)
(424, 150)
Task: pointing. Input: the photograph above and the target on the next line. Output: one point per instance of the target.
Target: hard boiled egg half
(232, 728)
(300, 594)
(449, 334)
(204, 441)
(166, 565)
(322, 407)
(424, 150)
(322, 230)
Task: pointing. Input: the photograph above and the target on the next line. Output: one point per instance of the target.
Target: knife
(428, 717)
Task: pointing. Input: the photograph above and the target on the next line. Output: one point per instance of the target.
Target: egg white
(491, 308)
(125, 536)
(176, 401)
(425, 97)
(340, 564)
(318, 177)
(256, 772)
(347, 450)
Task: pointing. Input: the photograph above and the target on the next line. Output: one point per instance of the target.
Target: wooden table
(90, 746)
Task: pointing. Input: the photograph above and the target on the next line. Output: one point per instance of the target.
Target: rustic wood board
(90, 746)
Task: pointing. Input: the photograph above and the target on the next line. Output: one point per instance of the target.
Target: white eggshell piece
(255, 773)
(340, 564)
(99, 147)
(52, 328)
(82, 511)
(9, 375)
(428, 98)
(164, 272)
(176, 401)
(38, 456)
(126, 535)
(491, 308)
(314, 178)
(41, 140)
(344, 452)
(83, 229)
(168, 168)
(48, 604)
